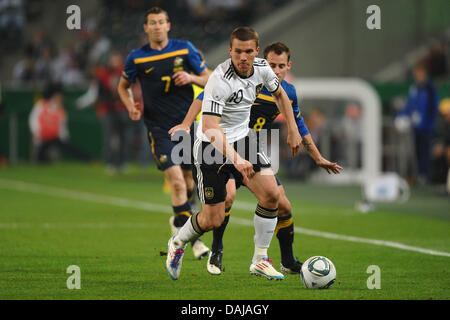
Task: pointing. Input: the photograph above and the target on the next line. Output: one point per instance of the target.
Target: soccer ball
(318, 273)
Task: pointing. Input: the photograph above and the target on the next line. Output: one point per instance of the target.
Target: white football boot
(174, 259)
(199, 249)
(214, 264)
(264, 268)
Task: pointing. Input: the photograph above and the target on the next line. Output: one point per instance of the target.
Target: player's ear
(289, 65)
(257, 50)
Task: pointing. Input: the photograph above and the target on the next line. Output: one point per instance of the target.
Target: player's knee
(213, 218)
(272, 196)
(284, 206)
(217, 221)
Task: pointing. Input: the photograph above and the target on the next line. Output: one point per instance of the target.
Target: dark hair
(51, 89)
(155, 10)
(278, 48)
(244, 34)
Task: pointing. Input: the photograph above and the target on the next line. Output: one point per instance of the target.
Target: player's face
(279, 64)
(157, 27)
(243, 54)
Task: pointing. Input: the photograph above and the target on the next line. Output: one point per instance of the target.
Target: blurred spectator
(62, 62)
(113, 116)
(100, 49)
(12, 21)
(38, 60)
(24, 69)
(39, 42)
(421, 107)
(12, 14)
(116, 23)
(73, 76)
(437, 61)
(441, 145)
(352, 135)
(48, 125)
(43, 66)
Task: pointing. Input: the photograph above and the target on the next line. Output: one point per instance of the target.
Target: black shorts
(239, 182)
(211, 177)
(162, 146)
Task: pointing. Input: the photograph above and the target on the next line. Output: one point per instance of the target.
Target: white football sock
(264, 230)
(186, 234)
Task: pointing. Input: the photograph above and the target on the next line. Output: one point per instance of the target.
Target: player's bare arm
(212, 130)
(182, 78)
(309, 145)
(284, 105)
(188, 120)
(126, 96)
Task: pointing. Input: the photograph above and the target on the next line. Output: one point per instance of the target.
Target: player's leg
(180, 204)
(162, 145)
(285, 233)
(209, 218)
(214, 264)
(187, 172)
(199, 249)
(218, 232)
(264, 187)
(211, 186)
(190, 185)
(182, 207)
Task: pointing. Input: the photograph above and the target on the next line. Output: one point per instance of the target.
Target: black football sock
(191, 197)
(182, 214)
(285, 234)
(218, 232)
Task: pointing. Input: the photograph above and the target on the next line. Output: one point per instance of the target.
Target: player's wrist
(319, 160)
(292, 130)
(237, 160)
(189, 79)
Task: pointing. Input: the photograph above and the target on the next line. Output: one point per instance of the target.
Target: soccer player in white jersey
(229, 95)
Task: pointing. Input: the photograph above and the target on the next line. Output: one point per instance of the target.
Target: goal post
(350, 89)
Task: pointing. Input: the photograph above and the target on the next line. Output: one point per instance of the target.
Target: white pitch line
(58, 225)
(80, 195)
(146, 206)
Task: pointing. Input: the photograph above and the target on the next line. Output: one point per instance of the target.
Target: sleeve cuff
(212, 114)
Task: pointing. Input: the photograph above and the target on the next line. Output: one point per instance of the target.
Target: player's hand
(245, 168)
(179, 127)
(134, 112)
(331, 167)
(294, 141)
(181, 78)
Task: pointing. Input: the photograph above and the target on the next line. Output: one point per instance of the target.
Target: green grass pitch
(52, 217)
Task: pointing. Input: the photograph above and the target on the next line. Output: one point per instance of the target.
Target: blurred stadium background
(329, 40)
(351, 82)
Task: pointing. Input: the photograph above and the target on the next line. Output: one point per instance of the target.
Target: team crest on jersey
(163, 158)
(258, 89)
(209, 193)
(178, 64)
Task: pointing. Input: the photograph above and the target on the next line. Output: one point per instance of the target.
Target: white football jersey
(231, 97)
